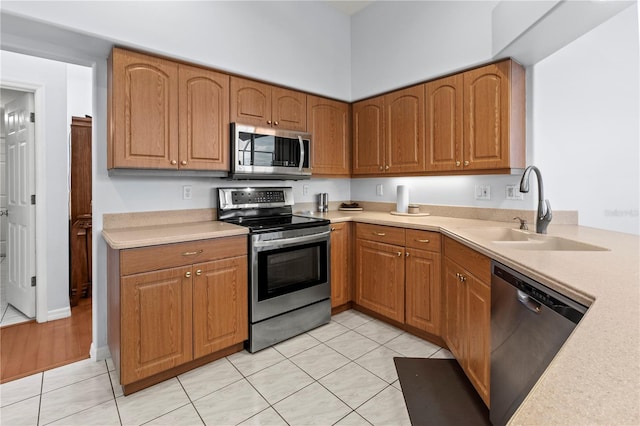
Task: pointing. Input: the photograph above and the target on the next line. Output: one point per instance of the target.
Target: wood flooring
(30, 348)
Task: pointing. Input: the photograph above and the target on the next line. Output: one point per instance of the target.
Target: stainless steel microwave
(266, 153)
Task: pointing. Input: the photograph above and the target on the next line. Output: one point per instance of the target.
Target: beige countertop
(595, 378)
(153, 235)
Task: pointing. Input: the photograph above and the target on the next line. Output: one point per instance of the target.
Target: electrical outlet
(483, 192)
(512, 192)
(379, 190)
(305, 189)
(186, 192)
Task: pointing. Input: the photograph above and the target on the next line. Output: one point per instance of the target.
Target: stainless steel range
(289, 263)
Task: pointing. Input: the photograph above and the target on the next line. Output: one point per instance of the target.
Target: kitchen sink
(499, 234)
(543, 242)
(526, 240)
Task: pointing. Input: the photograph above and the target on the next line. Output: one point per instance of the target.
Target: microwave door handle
(301, 153)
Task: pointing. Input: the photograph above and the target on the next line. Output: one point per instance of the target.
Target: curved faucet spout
(544, 207)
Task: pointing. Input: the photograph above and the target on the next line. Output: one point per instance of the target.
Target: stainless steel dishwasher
(529, 324)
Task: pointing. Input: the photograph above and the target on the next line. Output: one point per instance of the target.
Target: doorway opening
(17, 207)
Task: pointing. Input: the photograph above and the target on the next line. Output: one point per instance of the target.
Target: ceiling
(349, 7)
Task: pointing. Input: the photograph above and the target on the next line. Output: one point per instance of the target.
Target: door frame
(42, 312)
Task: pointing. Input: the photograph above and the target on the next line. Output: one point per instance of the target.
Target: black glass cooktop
(278, 223)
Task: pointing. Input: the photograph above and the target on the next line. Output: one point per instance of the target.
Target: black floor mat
(437, 392)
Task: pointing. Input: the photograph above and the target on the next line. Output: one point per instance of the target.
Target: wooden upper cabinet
(289, 109)
(143, 110)
(444, 123)
(494, 116)
(368, 136)
(204, 119)
(329, 124)
(404, 130)
(263, 105)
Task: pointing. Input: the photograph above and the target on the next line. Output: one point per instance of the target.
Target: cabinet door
(289, 109)
(453, 332)
(422, 289)
(220, 305)
(204, 119)
(486, 117)
(156, 322)
(250, 102)
(340, 261)
(444, 123)
(143, 112)
(380, 278)
(368, 137)
(404, 130)
(478, 326)
(329, 124)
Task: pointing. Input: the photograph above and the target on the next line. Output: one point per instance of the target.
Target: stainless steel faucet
(544, 208)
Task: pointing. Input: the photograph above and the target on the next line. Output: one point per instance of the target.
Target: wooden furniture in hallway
(80, 219)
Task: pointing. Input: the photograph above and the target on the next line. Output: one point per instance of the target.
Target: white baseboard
(57, 314)
(98, 354)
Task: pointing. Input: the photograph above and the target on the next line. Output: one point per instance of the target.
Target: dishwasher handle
(528, 303)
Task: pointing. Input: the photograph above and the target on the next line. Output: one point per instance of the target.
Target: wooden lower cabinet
(156, 308)
(340, 264)
(380, 278)
(422, 288)
(467, 312)
(160, 319)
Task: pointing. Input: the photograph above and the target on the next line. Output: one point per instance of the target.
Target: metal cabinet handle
(399, 253)
(275, 123)
(466, 163)
(457, 164)
(386, 167)
(188, 274)
(174, 162)
(381, 168)
(192, 253)
(198, 272)
(183, 162)
(423, 241)
(406, 254)
(333, 229)
(269, 122)
(379, 234)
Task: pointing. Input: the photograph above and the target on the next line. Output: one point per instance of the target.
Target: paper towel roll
(402, 205)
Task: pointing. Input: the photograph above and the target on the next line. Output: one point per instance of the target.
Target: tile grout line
(113, 392)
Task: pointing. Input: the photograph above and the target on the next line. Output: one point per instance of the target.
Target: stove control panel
(257, 196)
(254, 198)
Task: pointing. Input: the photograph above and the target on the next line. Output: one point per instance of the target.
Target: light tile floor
(341, 373)
(8, 314)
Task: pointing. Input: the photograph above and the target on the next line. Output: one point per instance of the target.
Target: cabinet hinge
(33, 281)
(33, 199)
(32, 117)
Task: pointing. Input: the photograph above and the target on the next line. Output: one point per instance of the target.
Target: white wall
(51, 175)
(585, 125)
(394, 44)
(302, 45)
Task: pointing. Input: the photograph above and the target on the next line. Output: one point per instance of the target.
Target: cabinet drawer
(383, 234)
(476, 263)
(170, 255)
(424, 240)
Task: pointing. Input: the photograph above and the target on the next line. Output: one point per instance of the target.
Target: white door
(21, 245)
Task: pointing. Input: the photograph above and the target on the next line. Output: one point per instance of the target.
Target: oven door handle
(292, 240)
(301, 153)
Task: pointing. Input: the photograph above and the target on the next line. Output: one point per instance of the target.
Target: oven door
(289, 270)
